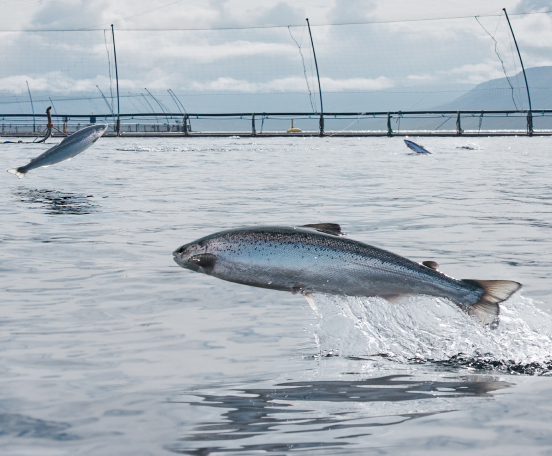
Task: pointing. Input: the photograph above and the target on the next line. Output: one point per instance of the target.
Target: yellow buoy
(293, 130)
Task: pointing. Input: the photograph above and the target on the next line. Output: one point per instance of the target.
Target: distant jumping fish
(68, 148)
(317, 259)
(416, 148)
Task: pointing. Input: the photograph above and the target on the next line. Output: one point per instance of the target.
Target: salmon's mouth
(177, 256)
(181, 256)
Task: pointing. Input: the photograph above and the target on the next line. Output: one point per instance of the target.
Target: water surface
(108, 347)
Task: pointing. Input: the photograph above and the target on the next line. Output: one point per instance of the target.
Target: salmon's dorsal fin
(431, 264)
(328, 228)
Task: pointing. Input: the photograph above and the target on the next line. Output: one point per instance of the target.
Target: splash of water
(428, 329)
(175, 149)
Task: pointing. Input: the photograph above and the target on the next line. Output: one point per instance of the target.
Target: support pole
(319, 87)
(459, 130)
(185, 124)
(529, 117)
(32, 107)
(253, 131)
(158, 104)
(117, 78)
(389, 129)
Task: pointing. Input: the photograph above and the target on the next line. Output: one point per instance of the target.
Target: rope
(304, 67)
(443, 123)
(109, 66)
(354, 121)
(501, 61)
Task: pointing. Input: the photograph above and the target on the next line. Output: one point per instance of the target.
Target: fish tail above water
(486, 309)
(17, 172)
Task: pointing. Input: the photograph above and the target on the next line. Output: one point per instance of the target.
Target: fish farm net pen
(421, 123)
(439, 76)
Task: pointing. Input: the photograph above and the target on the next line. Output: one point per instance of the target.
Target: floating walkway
(339, 124)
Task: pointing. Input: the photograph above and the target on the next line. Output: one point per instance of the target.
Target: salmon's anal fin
(328, 228)
(494, 292)
(17, 172)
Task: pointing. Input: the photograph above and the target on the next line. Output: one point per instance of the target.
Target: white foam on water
(433, 329)
(153, 149)
(177, 149)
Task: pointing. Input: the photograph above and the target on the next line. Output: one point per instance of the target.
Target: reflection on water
(55, 202)
(12, 424)
(295, 416)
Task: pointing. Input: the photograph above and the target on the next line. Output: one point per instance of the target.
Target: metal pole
(529, 119)
(253, 131)
(117, 78)
(389, 129)
(159, 104)
(459, 130)
(186, 112)
(32, 107)
(152, 110)
(319, 87)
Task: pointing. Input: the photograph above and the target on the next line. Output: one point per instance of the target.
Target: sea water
(108, 347)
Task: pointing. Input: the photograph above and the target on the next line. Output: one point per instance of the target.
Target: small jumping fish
(68, 148)
(416, 148)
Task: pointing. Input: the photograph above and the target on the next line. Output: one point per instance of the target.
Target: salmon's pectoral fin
(328, 228)
(309, 296)
(396, 299)
(494, 292)
(310, 299)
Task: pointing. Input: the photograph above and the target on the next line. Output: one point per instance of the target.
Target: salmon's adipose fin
(495, 292)
(17, 172)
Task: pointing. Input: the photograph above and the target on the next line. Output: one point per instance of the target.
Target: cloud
(526, 6)
(293, 84)
(352, 11)
(51, 82)
(356, 84)
(70, 14)
(475, 73)
(422, 78)
(208, 52)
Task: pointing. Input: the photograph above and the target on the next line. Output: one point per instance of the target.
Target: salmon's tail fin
(494, 292)
(17, 172)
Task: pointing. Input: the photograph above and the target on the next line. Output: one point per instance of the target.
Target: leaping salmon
(318, 259)
(416, 147)
(68, 148)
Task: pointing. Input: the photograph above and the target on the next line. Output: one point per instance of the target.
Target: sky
(80, 14)
(412, 51)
